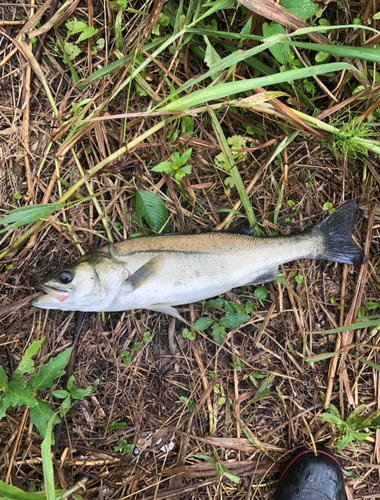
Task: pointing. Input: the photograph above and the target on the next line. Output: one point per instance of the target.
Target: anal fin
(166, 309)
(266, 276)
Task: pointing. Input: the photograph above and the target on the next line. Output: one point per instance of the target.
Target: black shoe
(310, 477)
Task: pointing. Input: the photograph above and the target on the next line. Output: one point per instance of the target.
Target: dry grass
(249, 438)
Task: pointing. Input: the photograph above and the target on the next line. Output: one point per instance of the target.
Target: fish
(162, 271)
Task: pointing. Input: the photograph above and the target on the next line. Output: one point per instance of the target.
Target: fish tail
(337, 233)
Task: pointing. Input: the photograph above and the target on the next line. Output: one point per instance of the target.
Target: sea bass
(162, 271)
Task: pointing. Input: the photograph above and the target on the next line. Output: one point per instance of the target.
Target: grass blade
(234, 172)
(231, 88)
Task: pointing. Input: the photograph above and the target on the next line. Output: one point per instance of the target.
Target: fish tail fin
(337, 233)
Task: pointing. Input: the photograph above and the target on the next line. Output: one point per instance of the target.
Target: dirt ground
(246, 403)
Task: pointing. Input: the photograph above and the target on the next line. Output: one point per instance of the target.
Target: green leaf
(371, 305)
(261, 293)
(19, 394)
(342, 443)
(88, 32)
(152, 208)
(47, 460)
(40, 415)
(70, 384)
(230, 88)
(115, 425)
(216, 302)
(126, 357)
(26, 364)
(351, 418)
(80, 393)
(147, 337)
(71, 50)
(183, 159)
(211, 460)
(165, 166)
(60, 394)
(187, 125)
(203, 323)
(118, 31)
(190, 405)
(321, 57)
(27, 215)
(233, 307)
(7, 491)
(51, 371)
(188, 334)
(281, 51)
(3, 379)
(301, 8)
(327, 417)
(211, 55)
(234, 320)
(230, 476)
(218, 332)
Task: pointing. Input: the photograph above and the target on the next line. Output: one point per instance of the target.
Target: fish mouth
(60, 294)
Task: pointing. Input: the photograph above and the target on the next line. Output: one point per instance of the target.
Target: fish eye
(65, 277)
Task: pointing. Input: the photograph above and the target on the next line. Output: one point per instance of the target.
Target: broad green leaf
(152, 208)
(70, 384)
(218, 332)
(234, 320)
(301, 8)
(203, 323)
(51, 371)
(164, 166)
(87, 33)
(215, 302)
(60, 394)
(211, 55)
(27, 364)
(80, 393)
(351, 418)
(233, 307)
(183, 159)
(3, 379)
(261, 293)
(342, 443)
(40, 415)
(18, 394)
(280, 51)
(74, 26)
(327, 417)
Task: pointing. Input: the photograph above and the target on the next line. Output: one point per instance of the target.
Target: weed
(18, 391)
(124, 447)
(349, 429)
(236, 315)
(177, 167)
(221, 470)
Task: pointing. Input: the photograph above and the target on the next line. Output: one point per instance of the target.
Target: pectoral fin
(166, 309)
(269, 275)
(145, 272)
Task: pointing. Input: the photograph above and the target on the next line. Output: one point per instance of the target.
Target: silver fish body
(159, 272)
